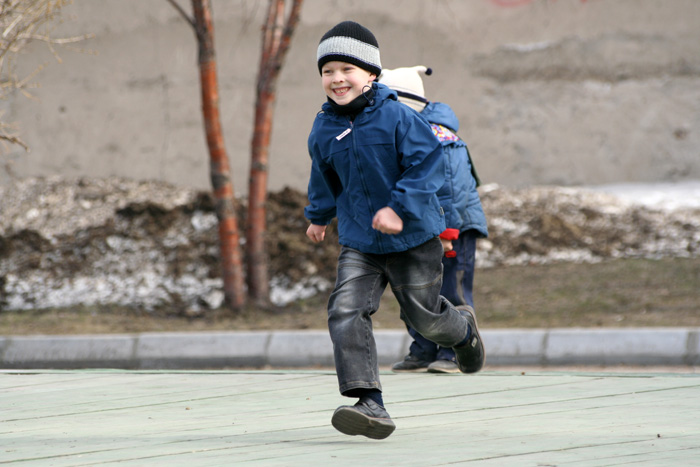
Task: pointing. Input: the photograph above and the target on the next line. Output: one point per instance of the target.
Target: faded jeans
(457, 287)
(415, 277)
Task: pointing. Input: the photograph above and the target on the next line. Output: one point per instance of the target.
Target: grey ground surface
(274, 417)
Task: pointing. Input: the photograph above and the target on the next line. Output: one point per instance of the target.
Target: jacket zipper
(364, 185)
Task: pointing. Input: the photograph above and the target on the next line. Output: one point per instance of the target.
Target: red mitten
(450, 234)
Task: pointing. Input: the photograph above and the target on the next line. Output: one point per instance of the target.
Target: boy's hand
(316, 233)
(446, 245)
(387, 221)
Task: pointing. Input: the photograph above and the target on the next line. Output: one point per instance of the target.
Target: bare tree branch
(289, 28)
(183, 13)
(22, 22)
(62, 41)
(14, 140)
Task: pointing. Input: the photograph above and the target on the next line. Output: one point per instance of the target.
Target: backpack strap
(445, 135)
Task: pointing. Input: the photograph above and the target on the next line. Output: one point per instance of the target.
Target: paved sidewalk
(304, 349)
(282, 418)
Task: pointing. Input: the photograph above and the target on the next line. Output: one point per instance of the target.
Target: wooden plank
(283, 418)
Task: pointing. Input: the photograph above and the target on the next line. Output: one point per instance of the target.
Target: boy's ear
(372, 77)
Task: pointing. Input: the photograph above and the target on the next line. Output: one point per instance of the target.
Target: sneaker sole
(413, 370)
(443, 370)
(353, 423)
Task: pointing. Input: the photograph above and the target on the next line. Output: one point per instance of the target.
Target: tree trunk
(232, 269)
(275, 43)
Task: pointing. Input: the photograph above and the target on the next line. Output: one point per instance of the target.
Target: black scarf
(356, 106)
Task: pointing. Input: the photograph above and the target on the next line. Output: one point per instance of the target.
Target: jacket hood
(442, 114)
(384, 92)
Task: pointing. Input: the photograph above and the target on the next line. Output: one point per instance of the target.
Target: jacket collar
(381, 93)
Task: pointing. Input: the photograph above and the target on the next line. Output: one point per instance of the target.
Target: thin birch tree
(229, 239)
(281, 20)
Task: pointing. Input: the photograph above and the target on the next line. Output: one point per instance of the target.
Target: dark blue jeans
(415, 277)
(457, 286)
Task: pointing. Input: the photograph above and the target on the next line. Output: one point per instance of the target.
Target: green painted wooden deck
(494, 418)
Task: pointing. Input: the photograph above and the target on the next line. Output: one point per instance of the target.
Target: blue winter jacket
(387, 156)
(458, 196)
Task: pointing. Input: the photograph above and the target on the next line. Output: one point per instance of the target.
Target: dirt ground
(113, 255)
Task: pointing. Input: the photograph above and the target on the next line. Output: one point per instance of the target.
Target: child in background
(464, 215)
(377, 167)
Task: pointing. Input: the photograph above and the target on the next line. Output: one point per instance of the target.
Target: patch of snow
(282, 291)
(202, 221)
(667, 196)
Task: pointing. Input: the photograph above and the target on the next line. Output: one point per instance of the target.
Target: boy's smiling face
(343, 82)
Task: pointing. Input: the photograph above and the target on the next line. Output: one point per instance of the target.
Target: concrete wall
(549, 92)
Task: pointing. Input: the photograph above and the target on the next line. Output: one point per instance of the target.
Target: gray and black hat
(350, 42)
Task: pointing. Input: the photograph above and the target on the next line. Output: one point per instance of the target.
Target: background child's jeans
(457, 287)
(415, 277)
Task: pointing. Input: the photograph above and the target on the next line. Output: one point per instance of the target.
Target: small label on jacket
(343, 134)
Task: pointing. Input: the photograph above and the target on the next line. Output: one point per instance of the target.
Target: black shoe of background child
(410, 363)
(366, 418)
(471, 354)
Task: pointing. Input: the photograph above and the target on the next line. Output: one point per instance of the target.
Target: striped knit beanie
(350, 42)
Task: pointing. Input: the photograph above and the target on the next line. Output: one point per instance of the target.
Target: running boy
(377, 167)
(464, 215)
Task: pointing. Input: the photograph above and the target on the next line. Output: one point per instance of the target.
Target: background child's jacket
(458, 196)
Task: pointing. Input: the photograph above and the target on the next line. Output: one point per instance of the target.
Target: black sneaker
(471, 355)
(366, 418)
(410, 363)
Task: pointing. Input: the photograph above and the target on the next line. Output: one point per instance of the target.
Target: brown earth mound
(152, 245)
